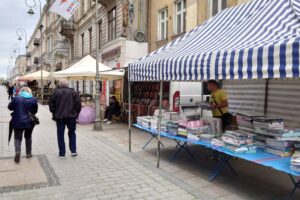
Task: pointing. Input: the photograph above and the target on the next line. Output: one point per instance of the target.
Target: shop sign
(114, 53)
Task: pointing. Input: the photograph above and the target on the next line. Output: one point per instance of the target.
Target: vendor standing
(219, 103)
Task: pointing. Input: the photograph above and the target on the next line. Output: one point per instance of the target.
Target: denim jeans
(61, 125)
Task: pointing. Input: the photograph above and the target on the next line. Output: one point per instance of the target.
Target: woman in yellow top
(219, 103)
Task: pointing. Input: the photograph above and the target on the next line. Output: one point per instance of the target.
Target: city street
(105, 170)
(101, 171)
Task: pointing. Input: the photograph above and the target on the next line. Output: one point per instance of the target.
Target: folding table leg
(153, 136)
(187, 149)
(296, 186)
(179, 148)
(147, 143)
(224, 160)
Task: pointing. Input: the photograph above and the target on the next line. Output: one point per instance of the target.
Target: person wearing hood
(24, 106)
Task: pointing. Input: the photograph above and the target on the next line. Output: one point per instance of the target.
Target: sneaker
(29, 155)
(74, 154)
(17, 157)
(109, 122)
(62, 157)
(105, 120)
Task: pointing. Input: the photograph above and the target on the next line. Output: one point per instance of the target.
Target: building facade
(56, 53)
(170, 19)
(122, 28)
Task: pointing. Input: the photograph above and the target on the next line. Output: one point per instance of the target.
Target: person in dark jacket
(113, 109)
(10, 91)
(65, 105)
(23, 106)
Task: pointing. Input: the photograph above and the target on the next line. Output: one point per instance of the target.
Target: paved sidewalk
(102, 170)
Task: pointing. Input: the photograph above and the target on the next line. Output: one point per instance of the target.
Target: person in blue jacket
(23, 106)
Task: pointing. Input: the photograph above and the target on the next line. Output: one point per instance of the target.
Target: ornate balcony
(48, 58)
(104, 3)
(67, 28)
(61, 49)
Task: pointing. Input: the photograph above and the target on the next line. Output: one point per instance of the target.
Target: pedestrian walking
(65, 106)
(24, 107)
(10, 91)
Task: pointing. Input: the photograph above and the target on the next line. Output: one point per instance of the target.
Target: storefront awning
(255, 40)
(85, 69)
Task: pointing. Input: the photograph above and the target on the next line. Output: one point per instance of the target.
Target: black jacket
(64, 103)
(22, 107)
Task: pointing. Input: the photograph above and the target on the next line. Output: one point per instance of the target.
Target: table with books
(259, 140)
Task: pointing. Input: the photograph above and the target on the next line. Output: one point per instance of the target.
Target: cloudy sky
(13, 15)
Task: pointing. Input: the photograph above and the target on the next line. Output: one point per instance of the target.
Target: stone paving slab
(14, 175)
(102, 170)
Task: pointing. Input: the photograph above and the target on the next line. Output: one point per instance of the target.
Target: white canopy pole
(129, 111)
(159, 122)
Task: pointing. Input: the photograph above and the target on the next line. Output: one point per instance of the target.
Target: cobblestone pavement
(102, 170)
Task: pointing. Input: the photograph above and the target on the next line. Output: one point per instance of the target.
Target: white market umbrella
(35, 76)
(85, 69)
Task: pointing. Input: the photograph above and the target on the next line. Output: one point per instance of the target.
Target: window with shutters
(100, 34)
(82, 44)
(112, 24)
(163, 24)
(90, 39)
(180, 16)
(216, 6)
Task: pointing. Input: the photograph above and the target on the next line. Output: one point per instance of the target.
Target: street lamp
(16, 47)
(21, 32)
(98, 121)
(31, 4)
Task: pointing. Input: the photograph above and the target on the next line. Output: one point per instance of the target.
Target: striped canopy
(255, 40)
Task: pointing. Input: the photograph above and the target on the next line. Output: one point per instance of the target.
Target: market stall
(36, 76)
(84, 70)
(258, 40)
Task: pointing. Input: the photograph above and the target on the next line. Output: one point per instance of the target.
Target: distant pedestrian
(10, 91)
(65, 105)
(24, 107)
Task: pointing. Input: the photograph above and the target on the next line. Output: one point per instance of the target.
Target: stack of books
(295, 162)
(278, 147)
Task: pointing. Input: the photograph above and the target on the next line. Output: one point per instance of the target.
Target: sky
(13, 15)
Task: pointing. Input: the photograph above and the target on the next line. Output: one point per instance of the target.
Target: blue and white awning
(256, 40)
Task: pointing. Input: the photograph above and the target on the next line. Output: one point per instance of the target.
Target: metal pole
(129, 110)
(159, 122)
(98, 121)
(22, 32)
(266, 97)
(41, 50)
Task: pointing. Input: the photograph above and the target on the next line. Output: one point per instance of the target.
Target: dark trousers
(10, 96)
(28, 140)
(61, 125)
(110, 112)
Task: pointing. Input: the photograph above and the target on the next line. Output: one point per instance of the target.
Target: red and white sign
(65, 8)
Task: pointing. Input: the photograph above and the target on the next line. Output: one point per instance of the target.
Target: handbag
(34, 119)
(226, 117)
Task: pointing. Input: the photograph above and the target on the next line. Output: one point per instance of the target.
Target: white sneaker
(74, 154)
(62, 157)
(108, 122)
(105, 120)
